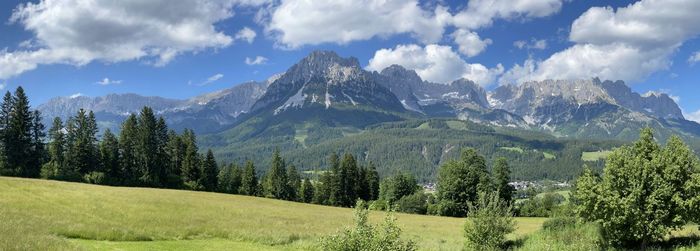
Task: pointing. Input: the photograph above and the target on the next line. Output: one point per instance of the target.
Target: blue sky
(179, 49)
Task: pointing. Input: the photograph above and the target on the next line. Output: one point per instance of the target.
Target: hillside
(52, 215)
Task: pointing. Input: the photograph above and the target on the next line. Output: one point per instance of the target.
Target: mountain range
(326, 99)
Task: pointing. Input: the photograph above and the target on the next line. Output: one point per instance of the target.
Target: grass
(513, 149)
(549, 155)
(594, 156)
(52, 215)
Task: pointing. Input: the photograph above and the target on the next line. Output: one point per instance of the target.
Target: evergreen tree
(147, 149)
(209, 172)
(348, 181)
(190, 163)
(372, 178)
(249, 180)
(332, 183)
(109, 157)
(38, 151)
(18, 148)
(293, 183)
(306, 191)
(82, 148)
(127, 150)
(501, 175)
(362, 184)
(276, 181)
(5, 114)
(175, 151)
(230, 179)
(56, 168)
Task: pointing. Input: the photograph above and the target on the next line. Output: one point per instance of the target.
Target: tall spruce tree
(501, 175)
(128, 138)
(372, 181)
(230, 178)
(175, 151)
(276, 181)
(147, 149)
(18, 148)
(209, 172)
(109, 157)
(82, 140)
(293, 183)
(348, 180)
(38, 150)
(249, 180)
(306, 191)
(5, 115)
(332, 183)
(56, 167)
(190, 163)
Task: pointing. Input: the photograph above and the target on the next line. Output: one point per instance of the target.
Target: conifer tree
(209, 172)
(38, 151)
(306, 191)
(127, 150)
(56, 167)
(372, 178)
(230, 178)
(18, 147)
(348, 180)
(109, 157)
(174, 151)
(293, 183)
(332, 183)
(5, 113)
(82, 148)
(249, 180)
(501, 175)
(190, 163)
(147, 149)
(276, 181)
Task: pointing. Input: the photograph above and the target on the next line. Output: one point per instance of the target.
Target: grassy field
(594, 156)
(51, 215)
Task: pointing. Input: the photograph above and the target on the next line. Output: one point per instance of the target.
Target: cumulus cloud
(539, 44)
(308, 22)
(694, 58)
(482, 13)
(79, 32)
(629, 43)
(107, 81)
(469, 43)
(694, 116)
(246, 34)
(435, 63)
(255, 61)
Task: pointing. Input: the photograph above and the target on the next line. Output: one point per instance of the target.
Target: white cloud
(78, 32)
(694, 116)
(255, 61)
(246, 34)
(107, 81)
(299, 22)
(482, 13)
(694, 58)
(76, 95)
(435, 63)
(469, 43)
(629, 43)
(539, 44)
(212, 79)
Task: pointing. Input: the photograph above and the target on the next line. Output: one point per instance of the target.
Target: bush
(488, 223)
(416, 203)
(368, 237)
(95, 177)
(543, 206)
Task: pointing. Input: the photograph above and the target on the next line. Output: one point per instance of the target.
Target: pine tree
(306, 191)
(190, 163)
(372, 182)
(127, 147)
(18, 148)
(249, 180)
(332, 182)
(56, 167)
(175, 151)
(5, 115)
(147, 149)
(362, 184)
(230, 179)
(347, 180)
(209, 172)
(82, 148)
(293, 183)
(38, 151)
(501, 175)
(109, 157)
(275, 185)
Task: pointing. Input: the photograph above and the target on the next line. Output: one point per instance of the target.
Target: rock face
(324, 79)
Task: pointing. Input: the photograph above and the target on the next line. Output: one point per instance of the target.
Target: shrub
(95, 177)
(365, 236)
(488, 223)
(416, 203)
